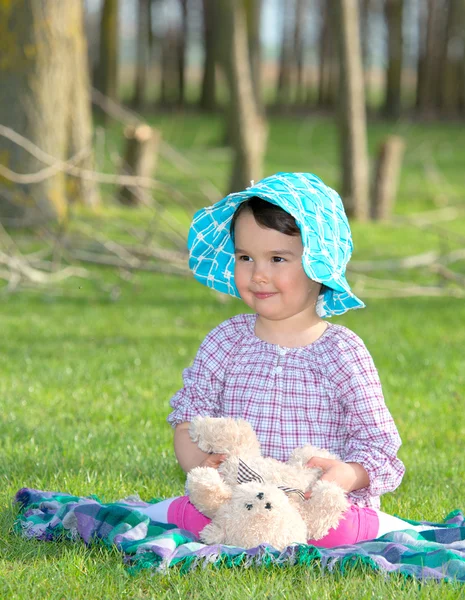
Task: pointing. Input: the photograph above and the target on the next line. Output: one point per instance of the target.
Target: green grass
(85, 392)
(86, 382)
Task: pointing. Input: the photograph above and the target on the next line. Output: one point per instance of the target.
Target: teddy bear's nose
(260, 495)
(249, 506)
(268, 505)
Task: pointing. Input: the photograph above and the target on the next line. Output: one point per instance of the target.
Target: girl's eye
(244, 258)
(278, 259)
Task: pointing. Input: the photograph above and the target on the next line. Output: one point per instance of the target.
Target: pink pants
(356, 525)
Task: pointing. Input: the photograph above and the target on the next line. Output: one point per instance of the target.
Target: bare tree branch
(22, 268)
(426, 259)
(370, 287)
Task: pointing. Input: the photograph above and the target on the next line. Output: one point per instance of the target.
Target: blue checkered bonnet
(325, 232)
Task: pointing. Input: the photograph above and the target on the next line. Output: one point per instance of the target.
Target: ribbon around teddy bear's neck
(288, 490)
(245, 474)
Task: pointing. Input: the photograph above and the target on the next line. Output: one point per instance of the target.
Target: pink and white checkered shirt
(327, 394)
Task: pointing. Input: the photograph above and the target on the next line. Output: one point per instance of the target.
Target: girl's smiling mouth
(264, 295)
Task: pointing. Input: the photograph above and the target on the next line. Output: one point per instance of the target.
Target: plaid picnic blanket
(434, 554)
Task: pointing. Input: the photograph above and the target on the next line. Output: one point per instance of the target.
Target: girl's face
(269, 274)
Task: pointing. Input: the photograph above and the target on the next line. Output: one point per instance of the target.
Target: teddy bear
(252, 499)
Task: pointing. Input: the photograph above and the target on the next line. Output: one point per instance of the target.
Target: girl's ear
(207, 491)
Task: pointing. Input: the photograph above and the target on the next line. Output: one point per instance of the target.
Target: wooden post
(386, 179)
(139, 160)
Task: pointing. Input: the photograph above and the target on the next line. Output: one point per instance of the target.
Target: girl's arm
(200, 395)
(189, 454)
(372, 437)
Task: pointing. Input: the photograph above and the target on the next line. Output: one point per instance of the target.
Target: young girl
(282, 246)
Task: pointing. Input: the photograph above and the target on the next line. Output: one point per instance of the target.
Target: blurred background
(119, 118)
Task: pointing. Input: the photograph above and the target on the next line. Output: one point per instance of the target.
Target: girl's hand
(213, 460)
(350, 476)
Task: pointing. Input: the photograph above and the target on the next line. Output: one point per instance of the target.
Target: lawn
(86, 382)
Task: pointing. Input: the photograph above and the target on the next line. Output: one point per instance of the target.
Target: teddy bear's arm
(206, 490)
(213, 534)
(324, 509)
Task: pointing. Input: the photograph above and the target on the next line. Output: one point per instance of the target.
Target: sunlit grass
(84, 397)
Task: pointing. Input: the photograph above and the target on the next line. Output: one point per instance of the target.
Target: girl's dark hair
(267, 215)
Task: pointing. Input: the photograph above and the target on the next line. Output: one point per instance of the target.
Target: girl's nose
(259, 275)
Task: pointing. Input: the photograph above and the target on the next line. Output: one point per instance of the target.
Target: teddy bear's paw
(325, 508)
(206, 489)
(203, 477)
(224, 436)
(212, 534)
(229, 470)
(200, 431)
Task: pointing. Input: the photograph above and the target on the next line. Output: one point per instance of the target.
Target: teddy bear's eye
(260, 495)
(268, 505)
(249, 506)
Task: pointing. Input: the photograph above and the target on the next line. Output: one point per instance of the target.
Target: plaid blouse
(327, 394)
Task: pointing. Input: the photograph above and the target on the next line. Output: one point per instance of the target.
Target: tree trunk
(453, 64)
(299, 47)
(286, 66)
(421, 60)
(143, 50)
(394, 15)
(208, 95)
(366, 8)
(80, 116)
(386, 179)
(352, 113)
(253, 15)
(182, 43)
(45, 98)
(169, 80)
(328, 68)
(249, 128)
(428, 88)
(107, 81)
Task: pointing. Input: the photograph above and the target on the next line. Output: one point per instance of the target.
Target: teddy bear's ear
(207, 491)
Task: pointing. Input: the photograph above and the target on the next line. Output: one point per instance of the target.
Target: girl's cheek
(239, 276)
